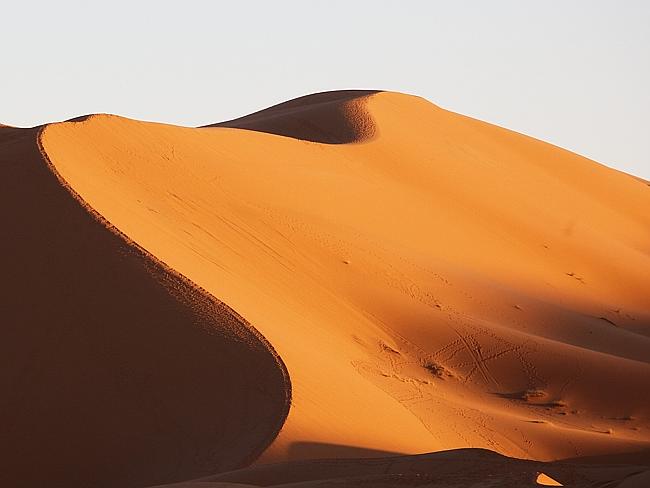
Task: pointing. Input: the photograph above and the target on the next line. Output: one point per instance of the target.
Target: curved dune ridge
(117, 371)
(336, 117)
(430, 281)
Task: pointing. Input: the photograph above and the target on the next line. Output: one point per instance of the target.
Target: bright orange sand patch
(546, 480)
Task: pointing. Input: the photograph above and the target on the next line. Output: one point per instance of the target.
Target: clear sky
(575, 73)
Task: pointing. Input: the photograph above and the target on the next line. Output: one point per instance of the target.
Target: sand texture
(345, 276)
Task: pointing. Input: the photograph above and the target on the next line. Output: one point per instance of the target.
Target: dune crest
(329, 118)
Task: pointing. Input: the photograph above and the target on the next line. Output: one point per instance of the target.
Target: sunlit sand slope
(116, 371)
(431, 281)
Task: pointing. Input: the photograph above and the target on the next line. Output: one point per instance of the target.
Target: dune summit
(329, 118)
(410, 280)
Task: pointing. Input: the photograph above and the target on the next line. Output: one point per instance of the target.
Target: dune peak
(333, 117)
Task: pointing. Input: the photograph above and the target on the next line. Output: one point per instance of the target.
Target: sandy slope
(438, 283)
(430, 281)
(115, 370)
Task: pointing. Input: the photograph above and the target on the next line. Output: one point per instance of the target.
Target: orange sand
(430, 281)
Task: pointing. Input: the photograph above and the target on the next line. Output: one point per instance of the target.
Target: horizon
(573, 75)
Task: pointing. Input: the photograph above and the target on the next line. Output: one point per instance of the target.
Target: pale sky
(575, 73)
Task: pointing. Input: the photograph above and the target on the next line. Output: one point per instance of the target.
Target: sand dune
(431, 282)
(116, 370)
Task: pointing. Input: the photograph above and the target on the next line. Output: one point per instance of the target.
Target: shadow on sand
(335, 117)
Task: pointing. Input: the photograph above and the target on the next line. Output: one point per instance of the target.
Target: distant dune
(430, 281)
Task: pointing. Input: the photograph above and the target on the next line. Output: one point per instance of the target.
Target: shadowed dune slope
(437, 283)
(116, 371)
(328, 117)
(457, 468)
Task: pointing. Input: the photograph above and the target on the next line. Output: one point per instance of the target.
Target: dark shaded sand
(116, 371)
(476, 468)
(327, 117)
